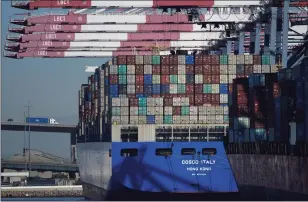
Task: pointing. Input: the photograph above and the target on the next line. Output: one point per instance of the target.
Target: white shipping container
(274, 69)
(142, 119)
(184, 101)
(133, 111)
(156, 79)
(131, 69)
(248, 59)
(211, 110)
(223, 69)
(202, 119)
(232, 69)
(184, 119)
(202, 110)
(173, 89)
(131, 89)
(113, 69)
(232, 59)
(147, 69)
(176, 101)
(176, 119)
(226, 110)
(124, 102)
(150, 110)
(167, 110)
(223, 98)
(181, 59)
(159, 102)
(212, 119)
(181, 79)
(150, 102)
(215, 88)
(193, 119)
(124, 119)
(241, 122)
(219, 119)
(115, 120)
(159, 119)
(193, 110)
(257, 69)
(159, 111)
(266, 69)
(240, 59)
(131, 79)
(231, 77)
(147, 59)
(133, 120)
(181, 69)
(199, 78)
(116, 102)
(139, 59)
(223, 79)
(124, 111)
(219, 110)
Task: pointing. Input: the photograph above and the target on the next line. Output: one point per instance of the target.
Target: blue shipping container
(151, 119)
(190, 60)
(165, 89)
(147, 79)
(148, 90)
(190, 79)
(139, 95)
(114, 91)
(223, 88)
(37, 120)
(156, 89)
(300, 131)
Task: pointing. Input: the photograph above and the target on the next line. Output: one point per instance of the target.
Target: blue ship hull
(144, 171)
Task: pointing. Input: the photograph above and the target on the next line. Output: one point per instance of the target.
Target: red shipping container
(189, 88)
(215, 69)
(156, 95)
(92, 79)
(122, 60)
(113, 79)
(133, 102)
(131, 59)
(215, 59)
(165, 60)
(139, 89)
(206, 59)
(198, 59)
(139, 79)
(207, 79)
(206, 70)
(176, 110)
(173, 69)
(156, 69)
(198, 69)
(198, 99)
(189, 69)
(139, 69)
(215, 79)
(243, 109)
(276, 90)
(168, 101)
(216, 99)
(173, 59)
(165, 69)
(191, 99)
(257, 60)
(198, 88)
(165, 79)
(240, 87)
(207, 99)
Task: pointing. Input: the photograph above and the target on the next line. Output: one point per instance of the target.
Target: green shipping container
(168, 119)
(223, 59)
(173, 79)
(122, 69)
(265, 60)
(156, 59)
(142, 111)
(207, 88)
(142, 102)
(116, 111)
(122, 79)
(185, 111)
(181, 88)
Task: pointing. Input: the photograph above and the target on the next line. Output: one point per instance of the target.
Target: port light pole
(29, 137)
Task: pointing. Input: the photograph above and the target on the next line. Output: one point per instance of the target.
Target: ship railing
(12, 29)
(18, 3)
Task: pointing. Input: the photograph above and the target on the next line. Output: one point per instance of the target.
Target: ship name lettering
(47, 43)
(51, 36)
(59, 18)
(208, 162)
(55, 27)
(42, 53)
(63, 2)
(190, 162)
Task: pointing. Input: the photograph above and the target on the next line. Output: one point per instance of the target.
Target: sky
(51, 86)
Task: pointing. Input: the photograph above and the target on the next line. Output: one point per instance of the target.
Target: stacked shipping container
(175, 89)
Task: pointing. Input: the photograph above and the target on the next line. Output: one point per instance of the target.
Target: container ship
(156, 127)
